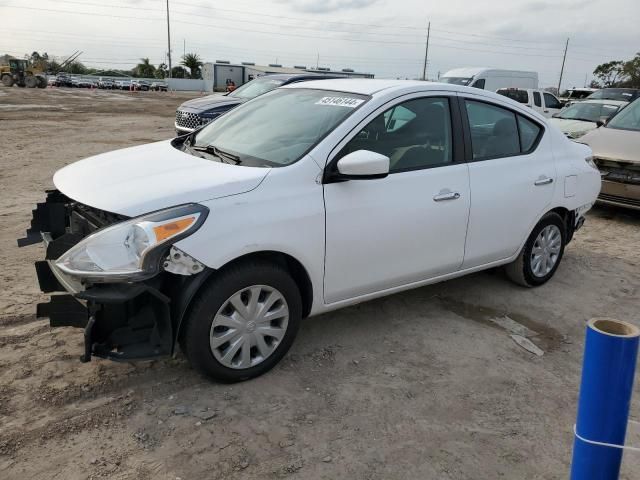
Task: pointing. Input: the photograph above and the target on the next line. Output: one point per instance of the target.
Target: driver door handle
(446, 196)
(543, 181)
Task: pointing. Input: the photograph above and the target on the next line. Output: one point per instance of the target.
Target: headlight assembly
(131, 250)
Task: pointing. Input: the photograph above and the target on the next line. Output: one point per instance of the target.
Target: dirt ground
(425, 384)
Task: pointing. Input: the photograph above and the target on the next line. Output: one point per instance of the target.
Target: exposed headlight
(590, 162)
(131, 250)
(577, 134)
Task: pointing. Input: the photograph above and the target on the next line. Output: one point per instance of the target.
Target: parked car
(306, 199)
(616, 152)
(576, 95)
(159, 86)
(63, 80)
(580, 117)
(621, 94)
(545, 103)
(142, 85)
(490, 78)
(106, 84)
(123, 84)
(195, 113)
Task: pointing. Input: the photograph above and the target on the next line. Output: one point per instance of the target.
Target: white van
(545, 103)
(490, 78)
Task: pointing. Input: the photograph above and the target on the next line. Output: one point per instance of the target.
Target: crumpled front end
(620, 183)
(121, 320)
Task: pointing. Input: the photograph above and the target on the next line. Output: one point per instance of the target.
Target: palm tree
(193, 63)
(145, 69)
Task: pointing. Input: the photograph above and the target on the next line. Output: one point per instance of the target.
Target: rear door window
(536, 99)
(521, 96)
(497, 132)
(529, 133)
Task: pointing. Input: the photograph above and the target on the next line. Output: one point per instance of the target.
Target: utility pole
(318, 60)
(184, 47)
(426, 53)
(168, 40)
(562, 69)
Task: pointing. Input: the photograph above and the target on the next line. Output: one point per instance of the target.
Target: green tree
(631, 72)
(193, 62)
(610, 73)
(145, 69)
(162, 71)
(76, 67)
(178, 72)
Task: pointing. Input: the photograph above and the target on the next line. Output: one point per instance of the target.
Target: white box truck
(490, 78)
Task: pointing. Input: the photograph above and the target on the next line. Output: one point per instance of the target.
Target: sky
(384, 37)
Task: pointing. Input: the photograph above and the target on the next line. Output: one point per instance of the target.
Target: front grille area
(189, 120)
(83, 219)
(622, 172)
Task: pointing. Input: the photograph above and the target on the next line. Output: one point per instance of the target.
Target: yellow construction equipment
(19, 72)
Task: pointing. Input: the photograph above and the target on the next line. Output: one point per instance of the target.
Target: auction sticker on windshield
(340, 101)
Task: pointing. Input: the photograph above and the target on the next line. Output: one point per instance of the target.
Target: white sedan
(310, 198)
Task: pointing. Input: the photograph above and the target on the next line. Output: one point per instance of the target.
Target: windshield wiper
(215, 151)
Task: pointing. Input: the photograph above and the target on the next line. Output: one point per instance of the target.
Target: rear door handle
(543, 181)
(446, 196)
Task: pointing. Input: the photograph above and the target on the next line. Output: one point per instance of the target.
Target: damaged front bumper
(121, 321)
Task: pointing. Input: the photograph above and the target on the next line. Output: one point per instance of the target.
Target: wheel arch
(189, 290)
(568, 218)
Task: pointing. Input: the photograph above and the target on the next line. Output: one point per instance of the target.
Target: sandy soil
(423, 384)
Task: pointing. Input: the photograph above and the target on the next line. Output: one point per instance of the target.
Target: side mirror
(601, 122)
(362, 165)
(556, 115)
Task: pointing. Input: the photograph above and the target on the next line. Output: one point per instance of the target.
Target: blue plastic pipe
(610, 353)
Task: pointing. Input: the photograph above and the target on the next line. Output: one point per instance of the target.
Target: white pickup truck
(544, 103)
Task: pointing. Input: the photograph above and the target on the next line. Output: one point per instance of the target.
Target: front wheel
(7, 80)
(31, 81)
(541, 254)
(243, 322)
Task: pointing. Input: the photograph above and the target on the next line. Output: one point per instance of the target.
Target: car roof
(368, 86)
(291, 77)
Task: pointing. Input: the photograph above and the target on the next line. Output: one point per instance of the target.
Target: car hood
(202, 104)
(137, 180)
(614, 144)
(573, 126)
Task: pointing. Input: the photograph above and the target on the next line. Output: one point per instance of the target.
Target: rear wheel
(541, 254)
(7, 80)
(243, 322)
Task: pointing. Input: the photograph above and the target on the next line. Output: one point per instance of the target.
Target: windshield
(624, 94)
(256, 88)
(589, 112)
(456, 80)
(521, 96)
(279, 127)
(627, 119)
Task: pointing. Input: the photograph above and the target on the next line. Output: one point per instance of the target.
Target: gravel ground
(423, 384)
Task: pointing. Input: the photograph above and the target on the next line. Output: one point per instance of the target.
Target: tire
(531, 269)
(7, 80)
(31, 82)
(42, 82)
(203, 329)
